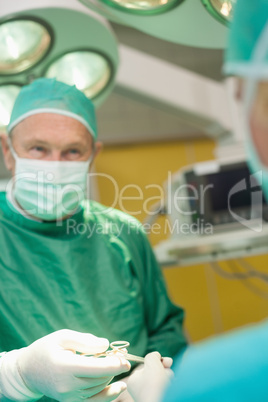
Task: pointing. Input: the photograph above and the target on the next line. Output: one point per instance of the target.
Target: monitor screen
(223, 182)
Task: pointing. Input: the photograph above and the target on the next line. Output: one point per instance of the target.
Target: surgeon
(232, 367)
(247, 58)
(75, 275)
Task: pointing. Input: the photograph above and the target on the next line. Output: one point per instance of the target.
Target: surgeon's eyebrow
(33, 143)
(36, 141)
(75, 144)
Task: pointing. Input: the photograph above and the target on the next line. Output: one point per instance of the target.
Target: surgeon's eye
(73, 153)
(37, 152)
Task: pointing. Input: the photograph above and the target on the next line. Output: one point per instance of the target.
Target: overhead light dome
(222, 10)
(23, 43)
(89, 71)
(186, 22)
(8, 94)
(64, 40)
(144, 7)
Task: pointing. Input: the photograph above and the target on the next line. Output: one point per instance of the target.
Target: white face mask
(49, 190)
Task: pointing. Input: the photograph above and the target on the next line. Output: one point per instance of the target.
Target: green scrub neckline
(55, 227)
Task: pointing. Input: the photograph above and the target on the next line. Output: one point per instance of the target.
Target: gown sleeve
(164, 319)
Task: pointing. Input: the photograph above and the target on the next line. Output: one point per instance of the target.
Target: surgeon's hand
(125, 396)
(150, 381)
(51, 367)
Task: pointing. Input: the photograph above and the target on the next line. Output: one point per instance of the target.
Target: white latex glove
(50, 367)
(125, 396)
(149, 383)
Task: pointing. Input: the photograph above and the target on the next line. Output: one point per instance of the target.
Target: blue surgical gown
(229, 368)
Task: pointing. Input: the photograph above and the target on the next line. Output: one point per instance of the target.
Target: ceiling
(125, 119)
(207, 62)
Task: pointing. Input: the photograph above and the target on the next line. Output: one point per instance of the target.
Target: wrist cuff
(12, 385)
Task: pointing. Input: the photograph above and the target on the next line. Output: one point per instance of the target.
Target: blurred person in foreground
(232, 367)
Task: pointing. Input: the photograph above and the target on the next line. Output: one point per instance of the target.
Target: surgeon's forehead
(52, 127)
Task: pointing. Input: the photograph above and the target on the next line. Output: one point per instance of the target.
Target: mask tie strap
(12, 150)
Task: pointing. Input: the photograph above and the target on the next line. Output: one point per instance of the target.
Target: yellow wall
(213, 304)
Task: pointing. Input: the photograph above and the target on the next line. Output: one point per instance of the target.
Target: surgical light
(8, 94)
(63, 40)
(23, 43)
(186, 22)
(222, 10)
(144, 7)
(89, 71)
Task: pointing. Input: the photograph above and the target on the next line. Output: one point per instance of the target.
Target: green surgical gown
(94, 273)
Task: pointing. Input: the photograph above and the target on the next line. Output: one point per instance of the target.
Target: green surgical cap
(47, 95)
(250, 19)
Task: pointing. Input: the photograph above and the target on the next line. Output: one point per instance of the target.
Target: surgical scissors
(119, 348)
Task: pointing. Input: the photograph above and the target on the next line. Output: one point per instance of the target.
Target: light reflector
(143, 6)
(89, 71)
(222, 10)
(23, 42)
